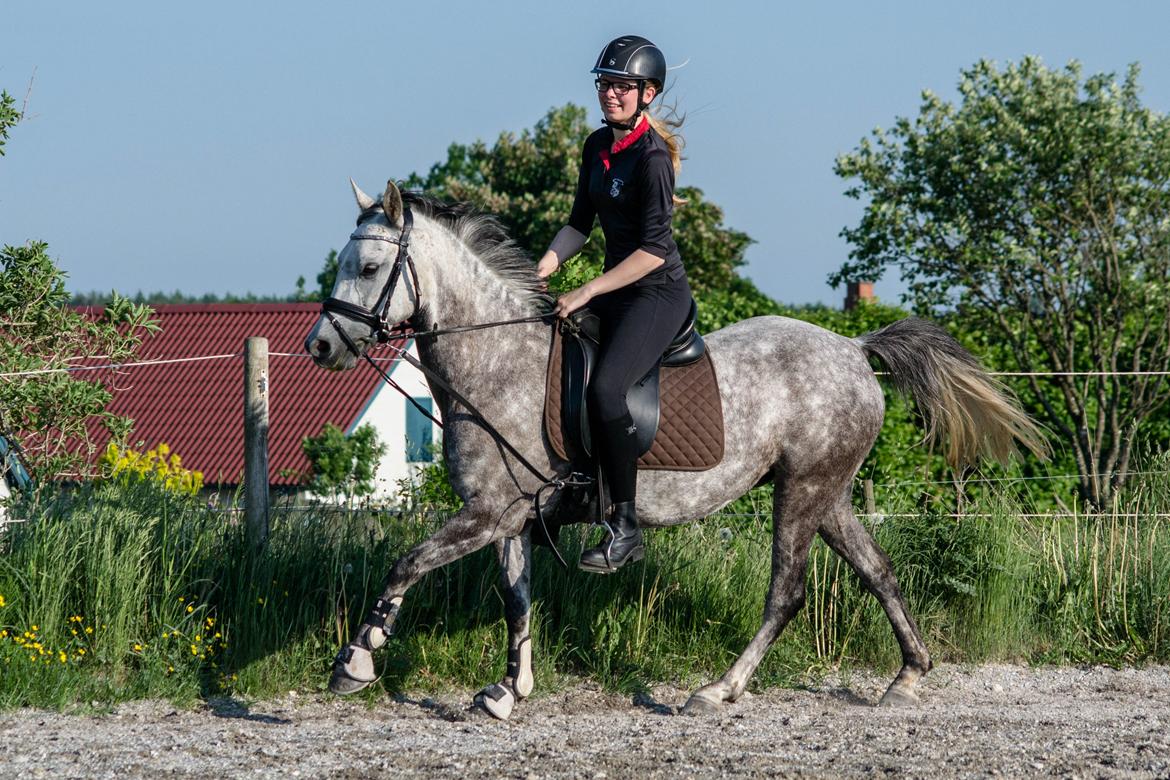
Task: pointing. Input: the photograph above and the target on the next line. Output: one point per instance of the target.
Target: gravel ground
(991, 720)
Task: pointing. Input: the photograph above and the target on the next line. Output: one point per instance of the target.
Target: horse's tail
(962, 404)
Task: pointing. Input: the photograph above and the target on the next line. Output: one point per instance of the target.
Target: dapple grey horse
(801, 408)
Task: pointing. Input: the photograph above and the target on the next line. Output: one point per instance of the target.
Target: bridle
(384, 332)
(375, 317)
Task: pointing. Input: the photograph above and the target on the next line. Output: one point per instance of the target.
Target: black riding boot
(617, 450)
(621, 544)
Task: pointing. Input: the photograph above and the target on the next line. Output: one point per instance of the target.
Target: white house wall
(386, 411)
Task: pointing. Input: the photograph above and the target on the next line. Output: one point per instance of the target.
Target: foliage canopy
(1036, 214)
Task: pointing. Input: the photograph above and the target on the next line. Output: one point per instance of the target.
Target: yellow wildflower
(2, 602)
(61, 655)
(81, 651)
(198, 638)
(36, 628)
(194, 650)
(89, 629)
(137, 648)
(190, 609)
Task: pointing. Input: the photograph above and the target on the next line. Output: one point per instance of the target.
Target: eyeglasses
(620, 88)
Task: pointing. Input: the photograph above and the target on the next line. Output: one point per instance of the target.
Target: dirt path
(995, 720)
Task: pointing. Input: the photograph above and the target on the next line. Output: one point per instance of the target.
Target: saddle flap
(580, 355)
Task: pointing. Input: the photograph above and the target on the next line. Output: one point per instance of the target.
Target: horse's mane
(489, 240)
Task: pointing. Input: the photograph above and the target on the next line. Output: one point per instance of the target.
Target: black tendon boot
(621, 544)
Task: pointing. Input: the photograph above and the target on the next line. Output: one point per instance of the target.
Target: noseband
(375, 317)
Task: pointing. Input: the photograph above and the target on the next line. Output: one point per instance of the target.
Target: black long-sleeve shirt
(629, 187)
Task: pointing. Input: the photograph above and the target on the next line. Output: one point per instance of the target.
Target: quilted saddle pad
(690, 426)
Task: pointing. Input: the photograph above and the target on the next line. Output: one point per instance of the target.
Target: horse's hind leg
(515, 556)
(798, 505)
(849, 539)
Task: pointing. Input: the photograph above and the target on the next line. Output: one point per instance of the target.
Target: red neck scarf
(625, 143)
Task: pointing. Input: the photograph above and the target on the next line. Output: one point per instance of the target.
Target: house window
(419, 432)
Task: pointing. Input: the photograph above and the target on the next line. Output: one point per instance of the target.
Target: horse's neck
(490, 366)
(459, 289)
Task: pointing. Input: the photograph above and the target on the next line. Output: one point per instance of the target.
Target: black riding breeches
(637, 325)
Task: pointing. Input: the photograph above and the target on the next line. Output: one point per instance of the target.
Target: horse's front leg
(470, 529)
(515, 555)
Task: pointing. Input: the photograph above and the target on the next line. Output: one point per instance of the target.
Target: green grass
(116, 592)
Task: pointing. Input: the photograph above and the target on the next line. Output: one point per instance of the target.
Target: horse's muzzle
(326, 354)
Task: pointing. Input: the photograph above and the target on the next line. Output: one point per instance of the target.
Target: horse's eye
(369, 270)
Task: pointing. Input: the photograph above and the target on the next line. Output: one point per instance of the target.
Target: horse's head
(376, 285)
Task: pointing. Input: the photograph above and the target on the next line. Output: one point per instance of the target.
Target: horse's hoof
(899, 696)
(496, 700)
(700, 706)
(353, 670)
(343, 685)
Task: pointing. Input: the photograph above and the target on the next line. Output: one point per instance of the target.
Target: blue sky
(206, 147)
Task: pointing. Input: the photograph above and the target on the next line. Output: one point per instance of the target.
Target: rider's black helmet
(632, 57)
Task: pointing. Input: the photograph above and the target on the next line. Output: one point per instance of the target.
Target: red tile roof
(196, 407)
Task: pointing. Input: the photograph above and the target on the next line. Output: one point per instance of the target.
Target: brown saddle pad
(690, 425)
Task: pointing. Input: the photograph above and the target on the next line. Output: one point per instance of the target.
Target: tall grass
(117, 592)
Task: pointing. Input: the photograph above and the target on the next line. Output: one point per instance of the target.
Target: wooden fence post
(870, 505)
(256, 439)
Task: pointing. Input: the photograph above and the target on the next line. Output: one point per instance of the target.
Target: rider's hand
(573, 300)
(547, 266)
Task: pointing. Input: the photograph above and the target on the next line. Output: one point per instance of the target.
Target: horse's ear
(364, 201)
(392, 204)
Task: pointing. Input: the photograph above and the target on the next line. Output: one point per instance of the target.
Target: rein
(375, 318)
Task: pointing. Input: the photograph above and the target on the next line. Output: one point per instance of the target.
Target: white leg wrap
(523, 681)
(375, 635)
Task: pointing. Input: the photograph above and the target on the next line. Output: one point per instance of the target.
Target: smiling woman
(626, 181)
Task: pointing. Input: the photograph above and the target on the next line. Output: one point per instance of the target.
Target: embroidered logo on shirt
(615, 188)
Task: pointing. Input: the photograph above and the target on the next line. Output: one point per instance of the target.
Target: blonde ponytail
(667, 122)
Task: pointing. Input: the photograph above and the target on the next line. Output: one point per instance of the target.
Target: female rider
(626, 180)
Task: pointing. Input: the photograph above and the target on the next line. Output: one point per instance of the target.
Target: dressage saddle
(676, 407)
(581, 344)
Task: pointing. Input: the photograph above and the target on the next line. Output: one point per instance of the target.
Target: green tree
(40, 337)
(1036, 214)
(46, 409)
(343, 466)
